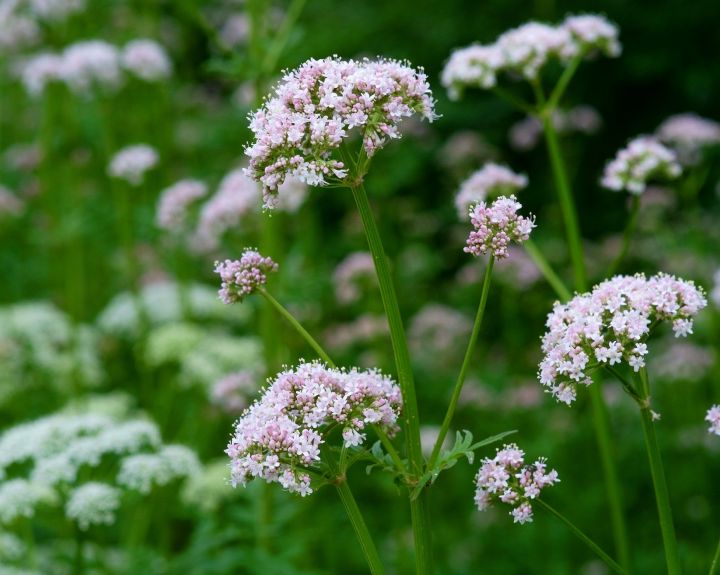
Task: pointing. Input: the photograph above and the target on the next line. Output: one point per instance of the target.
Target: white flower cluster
(527, 49)
(489, 181)
(93, 503)
(642, 160)
(131, 163)
(163, 303)
(40, 348)
(688, 134)
(92, 64)
(56, 452)
(610, 326)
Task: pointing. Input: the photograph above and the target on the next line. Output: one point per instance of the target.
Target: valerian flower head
(174, 203)
(351, 274)
(525, 50)
(131, 163)
(490, 180)
(642, 160)
(278, 438)
(713, 418)
(688, 134)
(496, 225)
(89, 64)
(610, 325)
(242, 277)
(147, 60)
(317, 106)
(507, 479)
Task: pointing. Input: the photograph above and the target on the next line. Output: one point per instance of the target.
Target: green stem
(514, 100)
(465, 365)
(546, 270)
(79, 558)
(610, 562)
(600, 414)
(627, 236)
(658, 477)
(567, 204)
(418, 507)
(299, 328)
(278, 45)
(361, 530)
(564, 81)
(715, 561)
(390, 448)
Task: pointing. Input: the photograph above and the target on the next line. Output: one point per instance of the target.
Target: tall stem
(658, 477)
(716, 561)
(465, 364)
(298, 327)
(418, 507)
(361, 530)
(609, 561)
(599, 409)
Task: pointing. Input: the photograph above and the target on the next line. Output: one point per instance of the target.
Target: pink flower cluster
(506, 478)
(490, 180)
(317, 106)
(688, 134)
(643, 159)
(496, 225)
(611, 325)
(242, 277)
(527, 49)
(356, 270)
(713, 418)
(231, 392)
(278, 438)
(174, 203)
(131, 163)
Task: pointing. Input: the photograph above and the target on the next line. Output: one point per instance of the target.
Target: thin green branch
(465, 365)
(564, 81)
(283, 34)
(546, 270)
(390, 448)
(716, 561)
(609, 561)
(298, 327)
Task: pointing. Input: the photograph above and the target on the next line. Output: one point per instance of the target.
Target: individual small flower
(642, 160)
(93, 63)
(507, 479)
(356, 270)
(317, 106)
(688, 134)
(174, 203)
(242, 277)
(279, 437)
(594, 33)
(472, 67)
(131, 163)
(490, 180)
(713, 418)
(93, 503)
(147, 60)
(610, 325)
(496, 225)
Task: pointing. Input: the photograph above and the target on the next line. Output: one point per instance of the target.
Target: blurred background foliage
(197, 120)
